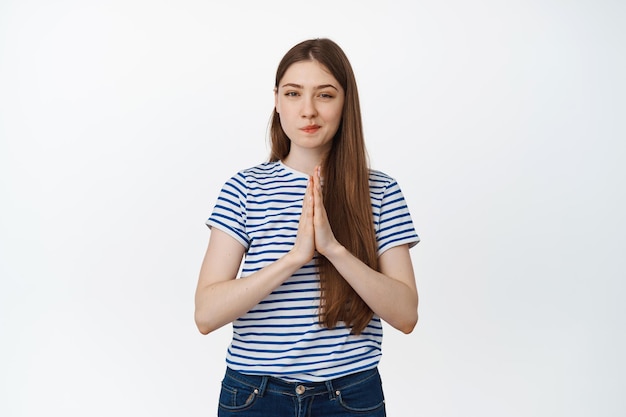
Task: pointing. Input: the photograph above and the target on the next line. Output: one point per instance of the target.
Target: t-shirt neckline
(293, 171)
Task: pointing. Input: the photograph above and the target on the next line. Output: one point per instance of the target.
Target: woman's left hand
(325, 241)
(390, 293)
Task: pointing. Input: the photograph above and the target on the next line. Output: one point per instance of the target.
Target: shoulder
(380, 178)
(376, 175)
(255, 173)
(265, 177)
(262, 169)
(384, 187)
(259, 170)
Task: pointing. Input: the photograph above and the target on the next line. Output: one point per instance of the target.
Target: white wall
(502, 121)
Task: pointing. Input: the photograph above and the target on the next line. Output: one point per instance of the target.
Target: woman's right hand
(304, 248)
(221, 298)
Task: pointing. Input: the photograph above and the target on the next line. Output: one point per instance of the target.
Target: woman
(326, 244)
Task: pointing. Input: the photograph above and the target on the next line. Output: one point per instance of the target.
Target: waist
(277, 385)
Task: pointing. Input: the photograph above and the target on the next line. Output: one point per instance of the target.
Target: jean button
(300, 389)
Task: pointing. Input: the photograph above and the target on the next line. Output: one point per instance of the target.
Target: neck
(303, 162)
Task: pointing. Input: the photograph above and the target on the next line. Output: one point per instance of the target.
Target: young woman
(325, 243)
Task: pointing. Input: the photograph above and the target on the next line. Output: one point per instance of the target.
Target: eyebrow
(319, 87)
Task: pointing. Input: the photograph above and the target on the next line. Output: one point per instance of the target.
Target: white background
(503, 121)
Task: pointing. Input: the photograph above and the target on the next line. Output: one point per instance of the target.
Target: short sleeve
(395, 225)
(229, 213)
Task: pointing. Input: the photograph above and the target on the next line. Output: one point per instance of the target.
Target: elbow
(208, 318)
(410, 321)
(203, 330)
(409, 325)
(408, 329)
(204, 326)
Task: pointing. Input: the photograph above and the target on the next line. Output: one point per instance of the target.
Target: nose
(308, 108)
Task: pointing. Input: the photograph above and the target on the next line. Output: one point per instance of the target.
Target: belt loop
(331, 390)
(263, 385)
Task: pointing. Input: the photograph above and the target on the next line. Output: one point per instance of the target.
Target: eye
(326, 95)
(291, 94)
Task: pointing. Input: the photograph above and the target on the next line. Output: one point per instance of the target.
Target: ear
(276, 100)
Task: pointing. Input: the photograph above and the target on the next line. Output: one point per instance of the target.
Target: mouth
(310, 129)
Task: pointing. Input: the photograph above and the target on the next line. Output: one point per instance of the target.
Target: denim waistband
(332, 387)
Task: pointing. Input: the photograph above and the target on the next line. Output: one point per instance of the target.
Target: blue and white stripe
(260, 207)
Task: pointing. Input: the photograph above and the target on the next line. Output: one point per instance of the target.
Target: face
(309, 101)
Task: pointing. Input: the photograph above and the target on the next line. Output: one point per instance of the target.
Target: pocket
(236, 395)
(365, 396)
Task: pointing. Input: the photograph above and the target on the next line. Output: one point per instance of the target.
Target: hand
(304, 247)
(325, 241)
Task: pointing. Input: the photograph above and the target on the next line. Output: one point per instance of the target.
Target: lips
(310, 129)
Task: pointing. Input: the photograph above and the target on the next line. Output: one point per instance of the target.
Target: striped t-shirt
(282, 337)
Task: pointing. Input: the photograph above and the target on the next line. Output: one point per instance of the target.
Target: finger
(306, 225)
(319, 213)
(317, 186)
(307, 203)
(318, 178)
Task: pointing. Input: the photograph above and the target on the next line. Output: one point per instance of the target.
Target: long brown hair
(346, 185)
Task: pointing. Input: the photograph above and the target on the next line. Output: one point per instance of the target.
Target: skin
(307, 95)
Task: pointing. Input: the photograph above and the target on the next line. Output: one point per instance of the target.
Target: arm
(220, 298)
(390, 293)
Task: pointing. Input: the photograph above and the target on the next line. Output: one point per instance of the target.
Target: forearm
(391, 299)
(222, 302)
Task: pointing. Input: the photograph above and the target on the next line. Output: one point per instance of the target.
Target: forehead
(308, 73)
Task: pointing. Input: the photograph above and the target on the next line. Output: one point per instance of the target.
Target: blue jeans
(359, 394)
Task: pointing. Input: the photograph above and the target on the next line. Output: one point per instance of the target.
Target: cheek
(338, 111)
(284, 108)
(336, 115)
